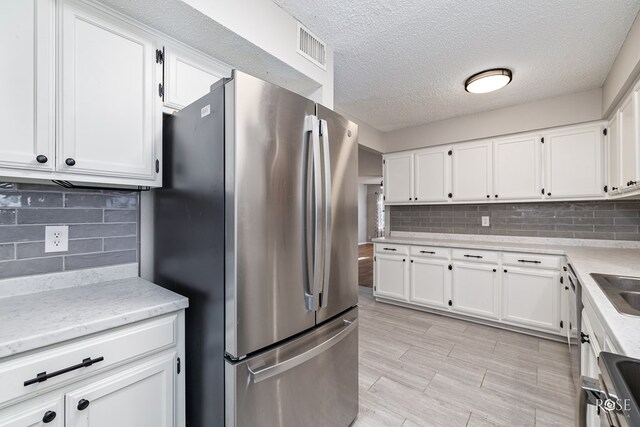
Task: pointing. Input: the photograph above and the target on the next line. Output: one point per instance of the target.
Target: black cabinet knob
(83, 404)
(496, 196)
(488, 196)
(494, 270)
(70, 162)
(505, 271)
(548, 194)
(42, 159)
(450, 195)
(48, 417)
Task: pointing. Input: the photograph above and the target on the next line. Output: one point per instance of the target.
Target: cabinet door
(589, 353)
(573, 162)
(472, 171)
(142, 396)
(531, 298)
(27, 82)
(189, 76)
(476, 289)
(613, 155)
(517, 168)
(432, 175)
(108, 97)
(430, 282)
(39, 411)
(391, 276)
(398, 173)
(629, 139)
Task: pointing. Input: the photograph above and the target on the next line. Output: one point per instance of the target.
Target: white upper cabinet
(613, 155)
(517, 168)
(398, 178)
(573, 162)
(432, 175)
(27, 82)
(188, 76)
(629, 140)
(107, 118)
(472, 170)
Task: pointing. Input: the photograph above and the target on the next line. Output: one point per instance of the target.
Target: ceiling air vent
(311, 47)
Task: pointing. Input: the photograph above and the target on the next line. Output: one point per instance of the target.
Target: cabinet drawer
(429, 252)
(474, 255)
(386, 248)
(532, 260)
(106, 350)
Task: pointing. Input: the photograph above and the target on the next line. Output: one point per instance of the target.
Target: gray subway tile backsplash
(103, 228)
(619, 220)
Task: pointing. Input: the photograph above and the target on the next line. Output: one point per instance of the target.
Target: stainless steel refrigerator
(257, 225)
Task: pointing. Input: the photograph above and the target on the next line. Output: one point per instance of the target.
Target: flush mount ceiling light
(488, 81)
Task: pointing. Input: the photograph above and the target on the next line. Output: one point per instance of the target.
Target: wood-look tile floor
(423, 369)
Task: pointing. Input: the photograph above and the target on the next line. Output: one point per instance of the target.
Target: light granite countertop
(623, 330)
(38, 319)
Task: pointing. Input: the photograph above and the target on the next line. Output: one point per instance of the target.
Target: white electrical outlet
(56, 238)
(485, 221)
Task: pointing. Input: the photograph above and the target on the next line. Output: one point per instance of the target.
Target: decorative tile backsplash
(610, 220)
(103, 228)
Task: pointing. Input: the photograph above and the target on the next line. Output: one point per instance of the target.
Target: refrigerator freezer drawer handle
(277, 369)
(326, 156)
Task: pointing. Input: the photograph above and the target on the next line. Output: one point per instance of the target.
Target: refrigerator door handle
(313, 227)
(326, 156)
(258, 375)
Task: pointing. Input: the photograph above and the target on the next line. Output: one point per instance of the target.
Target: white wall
(369, 163)
(362, 213)
(558, 111)
(624, 70)
(367, 135)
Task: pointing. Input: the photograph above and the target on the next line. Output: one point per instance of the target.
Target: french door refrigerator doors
(311, 380)
(268, 145)
(339, 138)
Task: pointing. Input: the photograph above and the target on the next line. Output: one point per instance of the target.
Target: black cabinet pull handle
(83, 404)
(584, 338)
(428, 252)
(42, 158)
(473, 256)
(614, 188)
(43, 376)
(70, 162)
(532, 262)
(48, 417)
(389, 249)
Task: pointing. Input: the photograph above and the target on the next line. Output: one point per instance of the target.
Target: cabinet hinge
(542, 191)
(561, 279)
(178, 365)
(450, 302)
(375, 288)
(160, 56)
(384, 162)
(604, 131)
(450, 152)
(450, 267)
(375, 258)
(161, 90)
(157, 165)
(542, 140)
(561, 324)
(384, 197)
(606, 188)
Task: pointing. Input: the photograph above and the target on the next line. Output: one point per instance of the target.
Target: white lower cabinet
(391, 276)
(430, 282)
(40, 411)
(515, 289)
(531, 298)
(138, 397)
(476, 289)
(133, 380)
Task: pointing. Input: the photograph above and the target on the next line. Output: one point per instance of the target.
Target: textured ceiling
(401, 63)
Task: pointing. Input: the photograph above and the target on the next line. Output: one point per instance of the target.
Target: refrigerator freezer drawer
(310, 381)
